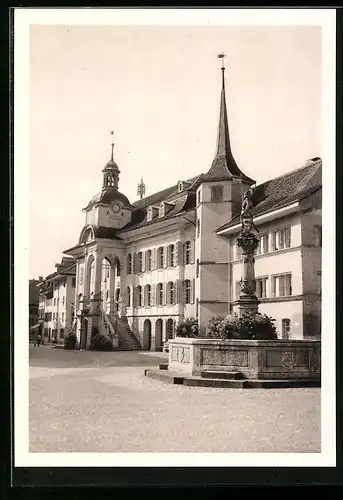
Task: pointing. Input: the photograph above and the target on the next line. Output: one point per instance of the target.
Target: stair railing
(112, 333)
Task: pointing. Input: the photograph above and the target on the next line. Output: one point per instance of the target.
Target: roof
(108, 195)
(283, 190)
(224, 166)
(109, 233)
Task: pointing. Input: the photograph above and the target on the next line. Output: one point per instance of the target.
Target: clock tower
(109, 208)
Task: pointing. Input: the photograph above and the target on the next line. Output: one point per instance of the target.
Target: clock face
(115, 208)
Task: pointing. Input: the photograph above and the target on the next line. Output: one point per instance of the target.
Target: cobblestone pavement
(102, 402)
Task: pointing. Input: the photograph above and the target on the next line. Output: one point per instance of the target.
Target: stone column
(248, 302)
(123, 290)
(94, 317)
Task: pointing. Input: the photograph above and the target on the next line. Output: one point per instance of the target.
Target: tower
(218, 199)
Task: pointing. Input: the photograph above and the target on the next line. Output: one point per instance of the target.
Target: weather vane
(221, 56)
(112, 145)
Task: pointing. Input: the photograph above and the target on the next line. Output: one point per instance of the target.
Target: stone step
(222, 375)
(164, 376)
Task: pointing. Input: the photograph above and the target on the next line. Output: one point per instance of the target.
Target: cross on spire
(222, 57)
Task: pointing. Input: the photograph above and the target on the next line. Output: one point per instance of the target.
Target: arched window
(118, 268)
(171, 292)
(129, 264)
(160, 257)
(187, 290)
(139, 295)
(148, 295)
(129, 296)
(171, 255)
(149, 260)
(187, 251)
(140, 262)
(159, 294)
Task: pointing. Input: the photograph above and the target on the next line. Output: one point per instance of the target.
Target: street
(84, 401)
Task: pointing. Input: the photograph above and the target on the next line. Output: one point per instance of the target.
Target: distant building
(56, 304)
(33, 302)
(143, 267)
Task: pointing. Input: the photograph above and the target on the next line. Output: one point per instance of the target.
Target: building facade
(142, 267)
(56, 301)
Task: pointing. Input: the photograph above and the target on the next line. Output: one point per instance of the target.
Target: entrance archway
(147, 334)
(158, 335)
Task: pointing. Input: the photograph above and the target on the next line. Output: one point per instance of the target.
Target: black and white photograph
(174, 184)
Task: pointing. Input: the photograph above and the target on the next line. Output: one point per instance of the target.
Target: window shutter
(192, 251)
(153, 294)
(134, 296)
(143, 261)
(153, 259)
(178, 292)
(134, 262)
(165, 257)
(146, 264)
(165, 293)
(192, 291)
(179, 253)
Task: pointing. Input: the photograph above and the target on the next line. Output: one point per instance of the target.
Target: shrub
(247, 326)
(187, 328)
(101, 343)
(70, 341)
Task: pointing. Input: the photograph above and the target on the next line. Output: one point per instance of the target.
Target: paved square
(83, 401)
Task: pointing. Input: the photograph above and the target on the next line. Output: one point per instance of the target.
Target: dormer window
(164, 208)
(152, 212)
(180, 187)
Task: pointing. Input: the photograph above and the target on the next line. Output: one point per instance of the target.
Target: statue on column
(248, 243)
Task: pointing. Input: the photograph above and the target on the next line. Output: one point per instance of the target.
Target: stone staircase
(127, 340)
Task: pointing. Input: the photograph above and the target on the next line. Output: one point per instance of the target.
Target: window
(197, 268)
(159, 294)
(53, 316)
(73, 282)
(129, 264)
(238, 289)
(171, 292)
(238, 252)
(198, 228)
(171, 255)
(140, 262)
(139, 296)
(187, 288)
(54, 301)
(282, 285)
(117, 268)
(281, 239)
(197, 308)
(160, 257)
(261, 287)
(62, 316)
(149, 260)
(148, 295)
(217, 193)
(180, 186)
(63, 298)
(263, 244)
(188, 250)
(199, 196)
(318, 236)
(286, 326)
(128, 296)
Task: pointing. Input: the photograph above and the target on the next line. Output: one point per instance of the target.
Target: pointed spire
(112, 145)
(224, 165)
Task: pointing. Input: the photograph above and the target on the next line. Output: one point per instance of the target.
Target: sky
(158, 87)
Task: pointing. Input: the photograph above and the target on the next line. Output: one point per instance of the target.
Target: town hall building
(143, 267)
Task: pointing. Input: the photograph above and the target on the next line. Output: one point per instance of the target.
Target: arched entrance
(158, 335)
(169, 329)
(147, 334)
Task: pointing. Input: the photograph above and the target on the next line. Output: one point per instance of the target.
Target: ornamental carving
(288, 359)
(248, 242)
(248, 286)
